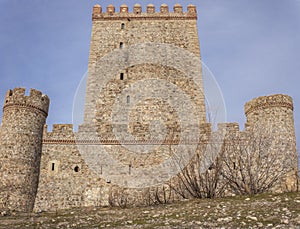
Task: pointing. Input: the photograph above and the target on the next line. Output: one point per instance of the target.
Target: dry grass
(259, 211)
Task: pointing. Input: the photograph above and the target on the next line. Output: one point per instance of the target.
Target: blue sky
(252, 48)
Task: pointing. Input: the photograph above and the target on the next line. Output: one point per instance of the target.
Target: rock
(146, 212)
(285, 221)
(247, 199)
(251, 217)
(225, 220)
(259, 224)
(4, 213)
(38, 211)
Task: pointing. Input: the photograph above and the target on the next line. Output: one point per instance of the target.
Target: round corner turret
(22, 127)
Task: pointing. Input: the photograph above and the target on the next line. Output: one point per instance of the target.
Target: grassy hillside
(260, 211)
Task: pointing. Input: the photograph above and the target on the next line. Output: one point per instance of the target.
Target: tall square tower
(131, 53)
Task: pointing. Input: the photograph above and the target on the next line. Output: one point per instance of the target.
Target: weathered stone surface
(48, 170)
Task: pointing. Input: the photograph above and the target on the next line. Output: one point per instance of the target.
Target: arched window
(121, 45)
(122, 76)
(128, 99)
(122, 26)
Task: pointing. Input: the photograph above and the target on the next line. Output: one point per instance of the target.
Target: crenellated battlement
(150, 13)
(60, 134)
(60, 128)
(263, 102)
(36, 100)
(228, 127)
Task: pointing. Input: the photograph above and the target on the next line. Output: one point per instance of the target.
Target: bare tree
(162, 194)
(201, 177)
(251, 164)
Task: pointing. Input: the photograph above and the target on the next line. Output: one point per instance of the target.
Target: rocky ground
(260, 211)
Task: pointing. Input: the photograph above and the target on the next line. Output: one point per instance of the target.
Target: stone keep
(44, 170)
(112, 31)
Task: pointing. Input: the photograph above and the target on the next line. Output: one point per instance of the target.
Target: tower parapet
(20, 148)
(138, 13)
(274, 111)
(35, 101)
(264, 102)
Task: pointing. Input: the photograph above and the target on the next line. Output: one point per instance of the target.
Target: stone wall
(65, 179)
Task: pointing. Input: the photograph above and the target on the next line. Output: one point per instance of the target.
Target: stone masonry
(42, 170)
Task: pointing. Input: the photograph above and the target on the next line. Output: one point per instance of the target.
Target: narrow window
(76, 169)
(122, 76)
(129, 168)
(121, 45)
(128, 99)
(53, 166)
(122, 26)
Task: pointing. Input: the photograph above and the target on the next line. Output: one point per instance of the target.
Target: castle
(139, 62)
